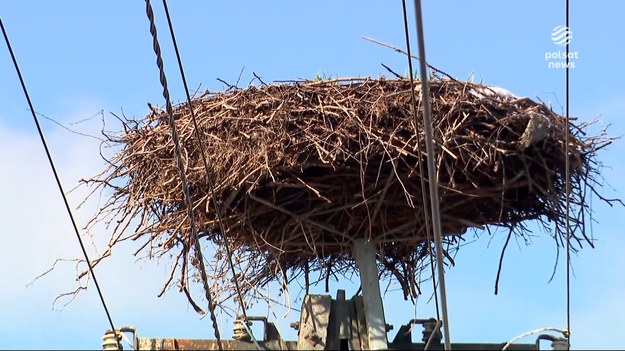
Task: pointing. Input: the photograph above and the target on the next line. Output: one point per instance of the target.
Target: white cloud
(37, 231)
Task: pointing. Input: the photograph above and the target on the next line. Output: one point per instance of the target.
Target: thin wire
(428, 232)
(249, 332)
(205, 162)
(57, 178)
(437, 327)
(535, 331)
(181, 169)
(567, 187)
(432, 178)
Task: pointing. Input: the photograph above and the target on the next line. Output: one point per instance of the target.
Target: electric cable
(432, 176)
(183, 177)
(428, 232)
(209, 181)
(567, 185)
(535, 331)
(57, 178)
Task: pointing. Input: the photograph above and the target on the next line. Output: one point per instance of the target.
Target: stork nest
(301, 170)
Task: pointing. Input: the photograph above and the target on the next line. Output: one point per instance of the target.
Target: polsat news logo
(561, 36)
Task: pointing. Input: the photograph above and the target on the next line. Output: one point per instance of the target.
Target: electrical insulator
(560, 344)
(239, 331)
(111, 340)
(428, 329)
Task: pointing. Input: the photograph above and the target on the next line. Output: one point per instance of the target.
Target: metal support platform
(327, 324)
(332, 324)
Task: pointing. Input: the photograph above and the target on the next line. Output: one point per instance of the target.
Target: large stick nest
(301, 170)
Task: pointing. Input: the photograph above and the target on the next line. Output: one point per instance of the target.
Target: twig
(405, 53)
(392, 72)
(259, 79)
(69, 129)
(503, 252)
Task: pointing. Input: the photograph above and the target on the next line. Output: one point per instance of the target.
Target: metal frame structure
(326, 324)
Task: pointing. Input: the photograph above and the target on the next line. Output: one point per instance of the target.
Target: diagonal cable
(209, 181)
(58, 179)
(183, 177)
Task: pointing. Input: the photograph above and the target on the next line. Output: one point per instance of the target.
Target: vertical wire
(432, 177)
(567, 186)
(428, 232)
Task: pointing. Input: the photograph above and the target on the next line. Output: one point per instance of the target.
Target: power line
(419, 160)
(181, 169)
(432, 177)
(57, 178)
(567, 187)
(205, 162)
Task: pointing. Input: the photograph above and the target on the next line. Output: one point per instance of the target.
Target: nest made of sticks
(302, 169)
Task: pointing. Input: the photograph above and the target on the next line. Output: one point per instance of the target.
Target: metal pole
(432, 178)
(364, 254)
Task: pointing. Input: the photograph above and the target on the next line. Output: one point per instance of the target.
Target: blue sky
(80, 58)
